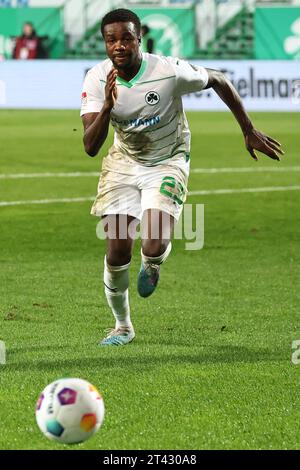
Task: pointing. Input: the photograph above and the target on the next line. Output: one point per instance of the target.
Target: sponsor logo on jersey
(152, 98)
(136, 122)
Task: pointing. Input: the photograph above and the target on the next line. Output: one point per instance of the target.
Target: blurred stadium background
(242, 35)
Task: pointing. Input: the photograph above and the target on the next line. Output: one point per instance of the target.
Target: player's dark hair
(121, 15)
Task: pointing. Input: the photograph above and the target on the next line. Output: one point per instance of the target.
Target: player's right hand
(256, 140)
(111, 93)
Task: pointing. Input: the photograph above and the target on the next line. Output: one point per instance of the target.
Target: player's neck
(128, 74)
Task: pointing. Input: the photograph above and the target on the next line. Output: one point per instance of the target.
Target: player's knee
(154, 248)
(118, 257)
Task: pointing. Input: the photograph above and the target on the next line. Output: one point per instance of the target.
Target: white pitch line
(244, 190)
(191, 193)
(46, 201)
(78, 174)
(258, 169)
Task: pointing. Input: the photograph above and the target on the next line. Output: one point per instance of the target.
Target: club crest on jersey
(152, 98)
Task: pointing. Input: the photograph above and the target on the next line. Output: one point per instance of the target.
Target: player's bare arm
(96, 125)
(254, 139)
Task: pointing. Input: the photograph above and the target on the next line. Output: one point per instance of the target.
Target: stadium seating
(234, 40)
(91, 46)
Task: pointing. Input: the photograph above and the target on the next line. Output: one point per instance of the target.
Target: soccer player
(144, 176)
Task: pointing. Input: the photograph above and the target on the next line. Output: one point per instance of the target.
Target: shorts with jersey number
(128, 187)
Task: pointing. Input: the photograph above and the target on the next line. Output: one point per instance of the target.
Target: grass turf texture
(211, 365)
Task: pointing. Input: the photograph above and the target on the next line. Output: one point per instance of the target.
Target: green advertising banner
(46, 21)
(277, 33)
(172, 29)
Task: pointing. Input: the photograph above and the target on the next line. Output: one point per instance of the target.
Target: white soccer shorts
(128, 187)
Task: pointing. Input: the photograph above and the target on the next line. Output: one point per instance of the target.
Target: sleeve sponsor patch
(84, 97)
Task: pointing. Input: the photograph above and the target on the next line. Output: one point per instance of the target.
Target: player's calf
(149, 273)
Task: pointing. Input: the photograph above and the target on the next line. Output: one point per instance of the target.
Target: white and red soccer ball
(69, 410)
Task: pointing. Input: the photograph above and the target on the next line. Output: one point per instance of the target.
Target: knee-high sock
(156, 259)
(116, 283)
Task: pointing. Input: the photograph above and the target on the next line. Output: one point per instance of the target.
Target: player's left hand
(256, 140)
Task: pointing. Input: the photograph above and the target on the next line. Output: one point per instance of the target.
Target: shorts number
(173, 189)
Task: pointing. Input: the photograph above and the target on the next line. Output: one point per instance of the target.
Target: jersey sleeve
(189, 78)
(92, 97)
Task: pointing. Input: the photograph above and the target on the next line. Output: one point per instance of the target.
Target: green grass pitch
(211, 364)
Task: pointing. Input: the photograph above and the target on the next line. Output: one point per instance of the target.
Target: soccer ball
(69, 411)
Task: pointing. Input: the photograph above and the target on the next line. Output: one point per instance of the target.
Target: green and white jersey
(148, 118)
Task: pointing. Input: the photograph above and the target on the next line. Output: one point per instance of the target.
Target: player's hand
(256, 140)
(111, 93)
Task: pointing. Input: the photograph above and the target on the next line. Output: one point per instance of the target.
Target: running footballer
(144, 176)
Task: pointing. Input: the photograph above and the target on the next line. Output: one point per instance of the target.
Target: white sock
(157, 260)
(116, 283)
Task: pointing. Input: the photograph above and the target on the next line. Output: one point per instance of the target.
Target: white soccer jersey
(148, 118)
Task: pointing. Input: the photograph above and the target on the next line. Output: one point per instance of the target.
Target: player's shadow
(135, 360)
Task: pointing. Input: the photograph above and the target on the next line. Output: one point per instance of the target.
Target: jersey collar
(131, 82)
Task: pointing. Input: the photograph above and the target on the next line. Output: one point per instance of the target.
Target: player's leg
(118, 202)
(163, 192)
(120, 231)
(157, 231)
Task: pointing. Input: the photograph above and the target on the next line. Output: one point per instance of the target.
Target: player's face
(122, 44)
